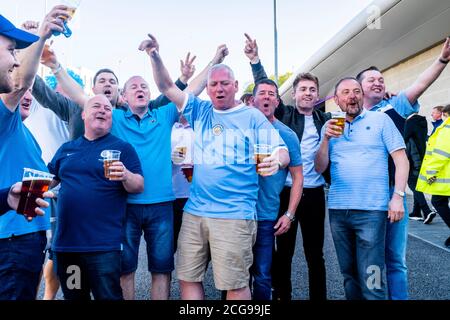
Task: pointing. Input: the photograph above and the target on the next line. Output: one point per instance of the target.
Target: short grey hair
(219, 67)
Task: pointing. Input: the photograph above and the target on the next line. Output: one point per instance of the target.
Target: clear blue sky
(107, 33)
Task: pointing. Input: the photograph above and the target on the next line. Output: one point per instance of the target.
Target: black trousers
(420, 203)
(440, 203)
(311, 217)
(178, 206)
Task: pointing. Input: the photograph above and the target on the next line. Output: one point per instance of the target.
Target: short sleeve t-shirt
(225, 183)
(150, 136)
(270, 187)
(18, 150)
(91, 208)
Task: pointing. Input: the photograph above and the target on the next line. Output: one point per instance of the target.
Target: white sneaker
(429, 218)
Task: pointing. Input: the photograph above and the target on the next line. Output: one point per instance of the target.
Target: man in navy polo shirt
(359, 199)
(91, 208)
(22, 242)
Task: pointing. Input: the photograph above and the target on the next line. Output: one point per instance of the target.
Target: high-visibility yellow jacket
(437, 162)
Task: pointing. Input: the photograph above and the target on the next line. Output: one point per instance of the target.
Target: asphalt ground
(427, 259)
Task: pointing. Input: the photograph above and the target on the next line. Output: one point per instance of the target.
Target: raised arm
(160, 73)
(187, 69)
(69, 85)
(426, 79)
(251, 51)
(322, 157)
(198, 84)
(48, 98)
(23, 76)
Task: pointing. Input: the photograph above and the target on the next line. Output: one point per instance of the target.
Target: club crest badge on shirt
(217, 129)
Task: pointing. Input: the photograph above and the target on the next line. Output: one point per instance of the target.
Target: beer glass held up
(340, 117)
(109, 156)
(261, 151)
(34, 184)
(72, 6)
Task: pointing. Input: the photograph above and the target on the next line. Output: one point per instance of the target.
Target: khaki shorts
(227, 243)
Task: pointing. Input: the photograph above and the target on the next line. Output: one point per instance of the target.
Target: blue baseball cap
(23, 39)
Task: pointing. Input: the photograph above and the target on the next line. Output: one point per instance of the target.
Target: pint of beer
(340, 117)
(261, 152)
(182, 151)
(188, 172)
(109, 156)
(72, 6)
(34, 184)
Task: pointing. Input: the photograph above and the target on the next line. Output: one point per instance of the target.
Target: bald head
(97, 99)
(97, 116)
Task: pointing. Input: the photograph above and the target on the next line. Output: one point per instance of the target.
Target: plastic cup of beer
(340, 117)
(109, 156)
(72, 6)
(182, 151)
(46, 52)
(34, 184)
(261, 152)
(188, 172)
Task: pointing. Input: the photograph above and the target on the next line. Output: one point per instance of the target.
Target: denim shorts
(21, 259)
(156, 222)
(81, 273)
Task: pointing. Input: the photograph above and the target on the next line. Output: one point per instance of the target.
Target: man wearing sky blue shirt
(358, 199)
(219, 220)
(265, 95)
(398, 108)
(22, 242)
(151, 212)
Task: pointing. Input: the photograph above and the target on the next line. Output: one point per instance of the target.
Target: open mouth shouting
(107, 92)
(26, 105)
(100, 117)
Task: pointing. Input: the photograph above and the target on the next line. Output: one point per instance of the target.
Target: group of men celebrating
(234, 216)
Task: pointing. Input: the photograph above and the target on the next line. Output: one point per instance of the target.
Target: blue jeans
(21, 260)
(396, 270)
(262, 261)
(156, 221)
(359, 239)
(98, 272)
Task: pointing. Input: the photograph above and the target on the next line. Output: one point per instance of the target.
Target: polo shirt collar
(362, 115)
(130, 114)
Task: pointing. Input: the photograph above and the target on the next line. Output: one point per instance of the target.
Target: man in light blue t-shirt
(398, 108)
(151, 212)
(359, 199)
(265, 98)
(22, 242)
(219, 219)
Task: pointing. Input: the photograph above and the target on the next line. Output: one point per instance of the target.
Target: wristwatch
(400, 193)
(290, 216)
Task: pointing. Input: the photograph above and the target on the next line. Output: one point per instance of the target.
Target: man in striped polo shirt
(358, 200)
